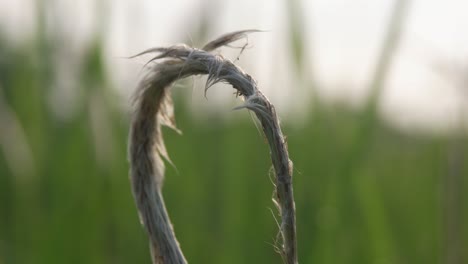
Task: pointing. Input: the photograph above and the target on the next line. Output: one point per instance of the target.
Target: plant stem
(153, 108)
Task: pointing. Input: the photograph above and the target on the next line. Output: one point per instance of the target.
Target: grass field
(365, 192)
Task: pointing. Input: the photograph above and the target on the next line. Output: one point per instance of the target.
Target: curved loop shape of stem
(153, 108)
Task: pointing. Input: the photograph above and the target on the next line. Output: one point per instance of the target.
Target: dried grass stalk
(153, 108)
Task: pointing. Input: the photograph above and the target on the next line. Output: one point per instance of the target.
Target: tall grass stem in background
(154, 108)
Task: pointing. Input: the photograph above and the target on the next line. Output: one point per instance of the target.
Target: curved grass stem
(153, 108)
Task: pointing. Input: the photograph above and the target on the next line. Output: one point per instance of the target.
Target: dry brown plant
(153, 108)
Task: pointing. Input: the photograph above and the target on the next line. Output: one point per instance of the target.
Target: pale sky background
(426, 90)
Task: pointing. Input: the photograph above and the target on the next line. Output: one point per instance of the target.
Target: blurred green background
(365, 192)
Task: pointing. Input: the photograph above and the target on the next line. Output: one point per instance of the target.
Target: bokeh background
(372, 96)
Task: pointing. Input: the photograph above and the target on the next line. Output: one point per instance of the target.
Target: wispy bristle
(227, 39)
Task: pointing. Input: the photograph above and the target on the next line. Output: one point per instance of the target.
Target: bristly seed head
(153, 108)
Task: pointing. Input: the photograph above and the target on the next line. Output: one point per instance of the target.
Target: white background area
(426, 90)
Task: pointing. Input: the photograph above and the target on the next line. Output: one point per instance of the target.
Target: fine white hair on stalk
(153, 108)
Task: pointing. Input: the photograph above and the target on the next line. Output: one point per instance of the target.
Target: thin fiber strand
(153, 108)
